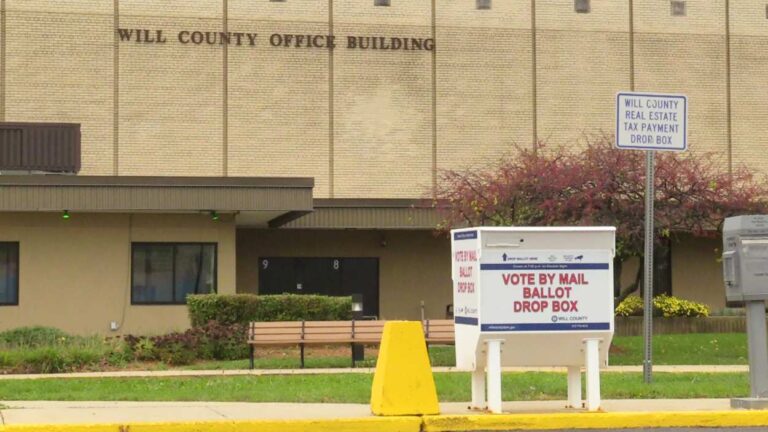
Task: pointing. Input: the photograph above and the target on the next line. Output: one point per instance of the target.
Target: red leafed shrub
(599, 185)
(210, 341)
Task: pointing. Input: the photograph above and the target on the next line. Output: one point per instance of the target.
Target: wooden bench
(302, 333)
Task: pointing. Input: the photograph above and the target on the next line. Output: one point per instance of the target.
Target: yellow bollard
(403, 383)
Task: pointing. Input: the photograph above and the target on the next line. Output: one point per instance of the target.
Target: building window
(9, 274)
(678, 8)
(381, 2)
(165, 273)
(483, 4)
(581, 6)
(277, 1)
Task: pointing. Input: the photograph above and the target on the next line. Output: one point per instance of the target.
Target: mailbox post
(745, 272)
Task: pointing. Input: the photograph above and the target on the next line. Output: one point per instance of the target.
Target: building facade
(284, 146)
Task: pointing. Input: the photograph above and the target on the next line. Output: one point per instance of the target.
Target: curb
(469, 423)
(370, 424)
(595, 420)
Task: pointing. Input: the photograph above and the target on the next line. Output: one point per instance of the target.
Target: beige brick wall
(703, 17)
(170, 94)
(693, 65)
(383, 110)
(750, 129)
(59, 69)
(484, 88)
(171, 101)
(749, 35)
(278, 97)
(577, 81)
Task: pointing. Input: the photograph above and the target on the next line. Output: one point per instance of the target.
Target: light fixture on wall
(214, 215)
(65, 215)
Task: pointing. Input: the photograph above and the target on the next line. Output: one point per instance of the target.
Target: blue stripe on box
(465, 320)
(545, 266)
(545, 327)
(465, 235)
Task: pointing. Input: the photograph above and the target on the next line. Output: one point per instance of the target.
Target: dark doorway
(325, 276)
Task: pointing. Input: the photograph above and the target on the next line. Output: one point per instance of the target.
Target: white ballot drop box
(533, 296)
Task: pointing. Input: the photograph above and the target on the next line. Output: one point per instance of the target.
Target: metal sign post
(650, 122)
(648, 263)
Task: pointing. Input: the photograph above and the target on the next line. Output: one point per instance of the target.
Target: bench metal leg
(253, 348)
(301, 347)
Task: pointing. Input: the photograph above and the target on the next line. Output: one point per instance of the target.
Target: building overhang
(401, 214)
(266, 197)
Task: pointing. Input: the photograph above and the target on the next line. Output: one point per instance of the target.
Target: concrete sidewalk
(19, 413)
(259, 372)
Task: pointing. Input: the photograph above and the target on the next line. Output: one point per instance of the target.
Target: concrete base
(749, 403)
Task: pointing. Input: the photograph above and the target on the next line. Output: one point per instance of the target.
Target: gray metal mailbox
(745, 257)
(745, 273)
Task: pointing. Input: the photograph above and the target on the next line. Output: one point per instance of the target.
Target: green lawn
(685, 349)
(356, 388)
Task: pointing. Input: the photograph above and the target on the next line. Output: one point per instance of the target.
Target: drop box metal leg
(574, 387)
(592, 362)
(478, 389)
(493, 369)
(758, 358)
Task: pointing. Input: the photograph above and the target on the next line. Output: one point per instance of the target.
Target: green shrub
(32, 337)
(243, 308)
(663, 305)
(66, 354)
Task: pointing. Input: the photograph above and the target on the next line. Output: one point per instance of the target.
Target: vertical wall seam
(225, 94)
(331, 136)
(434, 99)
(728, 106)
(631, 45)
(3, 36)
(116, 90)
(534, 78)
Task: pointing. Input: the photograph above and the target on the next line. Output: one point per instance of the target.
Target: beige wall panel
(605, 15)
(696, 273)
(503, 14)
(172, 9)
(279, 106)
(75, 7)
(693, 65)
(290, 11)
(749, 67)
(383, 118)
(63, 78)
(748, 17)
(703, 17)
(484, 95)
(75, 274)
(171, 101)
(413, 266)
(578, 78)
(400, 13)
